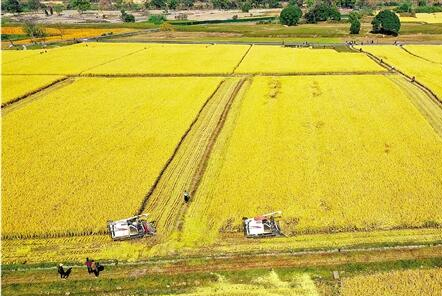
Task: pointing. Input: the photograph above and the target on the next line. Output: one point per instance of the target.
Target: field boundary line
(418, 56)
(242, 58)
(13, 102)
(175, 151)
(244, 256)
(427, 90)
(112, 60)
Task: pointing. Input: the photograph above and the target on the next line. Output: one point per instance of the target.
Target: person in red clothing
(88, 265)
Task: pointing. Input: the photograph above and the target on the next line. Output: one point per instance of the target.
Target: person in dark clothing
(88, 265)
(95, 269)
(186, 197)
(64, 274)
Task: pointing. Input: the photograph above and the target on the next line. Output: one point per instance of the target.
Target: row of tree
(385, 22)
(245, 5)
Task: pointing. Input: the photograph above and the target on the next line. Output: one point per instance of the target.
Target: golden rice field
(177, 59)
(277, 59)
(89, 152)
(426, 72)
(60, 34)
(429, 52)
(331, 158)
(66, 60)
(16, 86)
(336, 153)
(423, 282)
(430, 18)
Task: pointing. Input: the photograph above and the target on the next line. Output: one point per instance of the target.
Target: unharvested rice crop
(332, 158)
(177, 59)
(429, 52)
(65, 60)
(425, 72)
(424, 282)
(15, 86)
(58, 34)
(89, 152)
(276, 59)
(430, 18)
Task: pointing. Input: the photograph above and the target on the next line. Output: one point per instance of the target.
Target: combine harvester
(262, 226)
(130, 228)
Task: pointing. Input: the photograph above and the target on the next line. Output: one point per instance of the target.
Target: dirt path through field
(428, 108)
(165, 201)
(233, 263)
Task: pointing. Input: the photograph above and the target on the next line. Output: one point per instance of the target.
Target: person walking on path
(88, 265)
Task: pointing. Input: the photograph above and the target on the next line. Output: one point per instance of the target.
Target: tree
(34, 4)
(246, 6)
(290, 15)
(58, 8)
(406, 6)
(322, 12)
(355, 23)
(310, 3)
(33, 30)
(160, 4)
(11, 6)
(172, 4)
(187, 3)
(127, 17)
(80, 5)
(386, 22)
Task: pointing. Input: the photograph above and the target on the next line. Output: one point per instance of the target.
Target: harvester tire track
(175, 151)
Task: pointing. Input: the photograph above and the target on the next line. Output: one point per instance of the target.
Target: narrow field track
(166, 200)
(430, 93)
(430, 109)
(36, 94)
(230, 263)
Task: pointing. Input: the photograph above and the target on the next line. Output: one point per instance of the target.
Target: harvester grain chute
(262, 226)
(130, 228)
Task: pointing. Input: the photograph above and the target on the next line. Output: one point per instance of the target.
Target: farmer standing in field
(64, 274)
(186, 197)
(88, 265)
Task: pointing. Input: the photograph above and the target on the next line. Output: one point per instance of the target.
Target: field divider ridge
(113, 60)
(418, 56)
(54, 83)
(242, 58)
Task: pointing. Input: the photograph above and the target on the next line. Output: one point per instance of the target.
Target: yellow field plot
(66, 60)
(425, 72)
(429, 52)
(177, 59)
(423, 282)
(12, 56)
(276, 59)
(15, 86)
(330, 157)
(59, 34)
(90, 151)
(430, 18)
